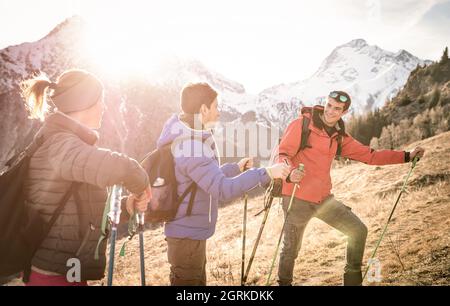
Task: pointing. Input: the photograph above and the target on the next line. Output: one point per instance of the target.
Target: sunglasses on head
(340, 97)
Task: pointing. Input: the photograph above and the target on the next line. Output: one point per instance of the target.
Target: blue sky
(257, 43)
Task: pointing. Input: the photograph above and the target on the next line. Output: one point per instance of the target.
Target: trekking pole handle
(115, 209)
(300, 166)
(140, 218)
(414, 161)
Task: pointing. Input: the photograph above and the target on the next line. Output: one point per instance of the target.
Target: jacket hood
(174, 129)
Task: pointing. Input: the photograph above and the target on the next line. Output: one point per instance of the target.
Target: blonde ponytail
(34, 91)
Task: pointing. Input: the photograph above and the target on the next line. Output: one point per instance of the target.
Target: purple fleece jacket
(196, 160)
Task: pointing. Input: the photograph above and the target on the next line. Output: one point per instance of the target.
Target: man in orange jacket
(313, 198)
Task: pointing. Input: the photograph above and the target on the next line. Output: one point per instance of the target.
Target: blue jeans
(332, 212)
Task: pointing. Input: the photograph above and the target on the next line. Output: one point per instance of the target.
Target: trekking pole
(300, 167)
(140, 221)
(114, 217)
(258, 238)
(413, 165)
(135, 225)
(244, 230)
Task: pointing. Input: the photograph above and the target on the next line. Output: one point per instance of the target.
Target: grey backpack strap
(339, 146)
(191, 199)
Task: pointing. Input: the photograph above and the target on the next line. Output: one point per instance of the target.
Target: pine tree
(444, 58)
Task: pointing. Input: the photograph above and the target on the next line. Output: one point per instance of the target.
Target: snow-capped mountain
(368, 73)
(175, 72)
(61, 49)
(58, 50)
(139, 106)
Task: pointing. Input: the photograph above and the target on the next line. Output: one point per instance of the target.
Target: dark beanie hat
(194, 95)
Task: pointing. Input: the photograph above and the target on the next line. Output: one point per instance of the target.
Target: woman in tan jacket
(68, 157)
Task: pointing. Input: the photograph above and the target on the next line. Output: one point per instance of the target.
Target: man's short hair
(194, 95)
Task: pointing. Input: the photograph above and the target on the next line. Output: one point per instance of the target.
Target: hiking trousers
(187, 259)
(332, 212)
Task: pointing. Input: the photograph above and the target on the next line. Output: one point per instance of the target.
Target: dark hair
(343, 93)
(194, 95)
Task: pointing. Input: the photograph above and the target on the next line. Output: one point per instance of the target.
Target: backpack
(22, 229)
(164, 204)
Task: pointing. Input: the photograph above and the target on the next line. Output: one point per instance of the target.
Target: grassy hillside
(420, 110)
(415, 251)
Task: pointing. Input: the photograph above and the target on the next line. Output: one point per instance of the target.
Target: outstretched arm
(75, 160)
(355, 150)
(206, 172)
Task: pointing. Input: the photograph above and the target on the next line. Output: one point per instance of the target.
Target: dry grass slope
(415, 251)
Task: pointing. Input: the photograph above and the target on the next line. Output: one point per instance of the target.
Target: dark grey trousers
(332, 212)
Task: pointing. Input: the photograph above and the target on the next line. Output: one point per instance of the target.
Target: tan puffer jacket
(68, 155)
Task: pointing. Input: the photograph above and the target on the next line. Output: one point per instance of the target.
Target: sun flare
(118, 48)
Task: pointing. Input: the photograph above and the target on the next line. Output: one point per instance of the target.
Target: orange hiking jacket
(316, 184)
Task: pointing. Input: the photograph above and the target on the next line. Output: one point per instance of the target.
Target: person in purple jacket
(186, 235)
